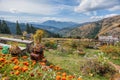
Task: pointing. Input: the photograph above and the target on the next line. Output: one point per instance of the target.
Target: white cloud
(87, 13)
(115, 8)
(13, 10)
(101, 17)
(93, 5)
(26, 19)
(90, 13)
(28, 6)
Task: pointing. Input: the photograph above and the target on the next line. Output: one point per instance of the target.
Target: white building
(108, 39)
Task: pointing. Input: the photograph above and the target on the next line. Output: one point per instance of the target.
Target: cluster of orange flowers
(21, 66)
(64, 76)
(3, 61)
(18, 67)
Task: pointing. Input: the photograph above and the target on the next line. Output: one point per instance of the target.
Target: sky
(79, 11)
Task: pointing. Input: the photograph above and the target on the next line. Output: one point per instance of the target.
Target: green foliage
(51, 44)
(97, 66)
(30, 28)
(18, 29)
(4, 28)
(0, 26)
(33, 29)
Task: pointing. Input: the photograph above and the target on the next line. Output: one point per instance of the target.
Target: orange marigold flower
(2, 59)
(59, 68)
(58, 73)
(64, 78)
(42, 63)
(79, 78)
(16, 67)
(33, 63)
(26, 63)
(70, 77)
(58, 77)
(51, 66)
(25, 57)
(17, 72)
(25, 68)
(6, 62)
(16, 61)
(14, 58)
(64, 74)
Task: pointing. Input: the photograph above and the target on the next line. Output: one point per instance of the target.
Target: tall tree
(33, 29)
(0, 25)
(4, 28)
(18, 29)
(28, 28)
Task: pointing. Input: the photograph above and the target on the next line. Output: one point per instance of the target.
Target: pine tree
(4, 28)
(33, 29)
(0, 25)
(18, 30)
(28, 29)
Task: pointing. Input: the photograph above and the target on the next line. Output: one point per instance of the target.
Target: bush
(15, 50)
(111, 50)
(51, 44)
(97, 66)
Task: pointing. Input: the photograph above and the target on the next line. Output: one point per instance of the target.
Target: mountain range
(106, 26)
(54, 26)
(59, 24)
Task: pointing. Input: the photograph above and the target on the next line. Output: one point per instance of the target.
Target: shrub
(15, 50)
(38, 36)
(111, 50)
(51, 44)
(97, 66)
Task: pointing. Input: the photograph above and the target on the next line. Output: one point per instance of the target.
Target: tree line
(4, 28)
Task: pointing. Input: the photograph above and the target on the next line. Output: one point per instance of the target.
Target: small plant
(81, 51)
(38, 36)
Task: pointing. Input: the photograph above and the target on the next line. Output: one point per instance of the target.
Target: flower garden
(70, 60)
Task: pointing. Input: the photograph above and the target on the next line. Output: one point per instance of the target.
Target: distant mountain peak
(59, 24)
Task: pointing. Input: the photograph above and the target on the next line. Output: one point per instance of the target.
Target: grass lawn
(71, 62)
